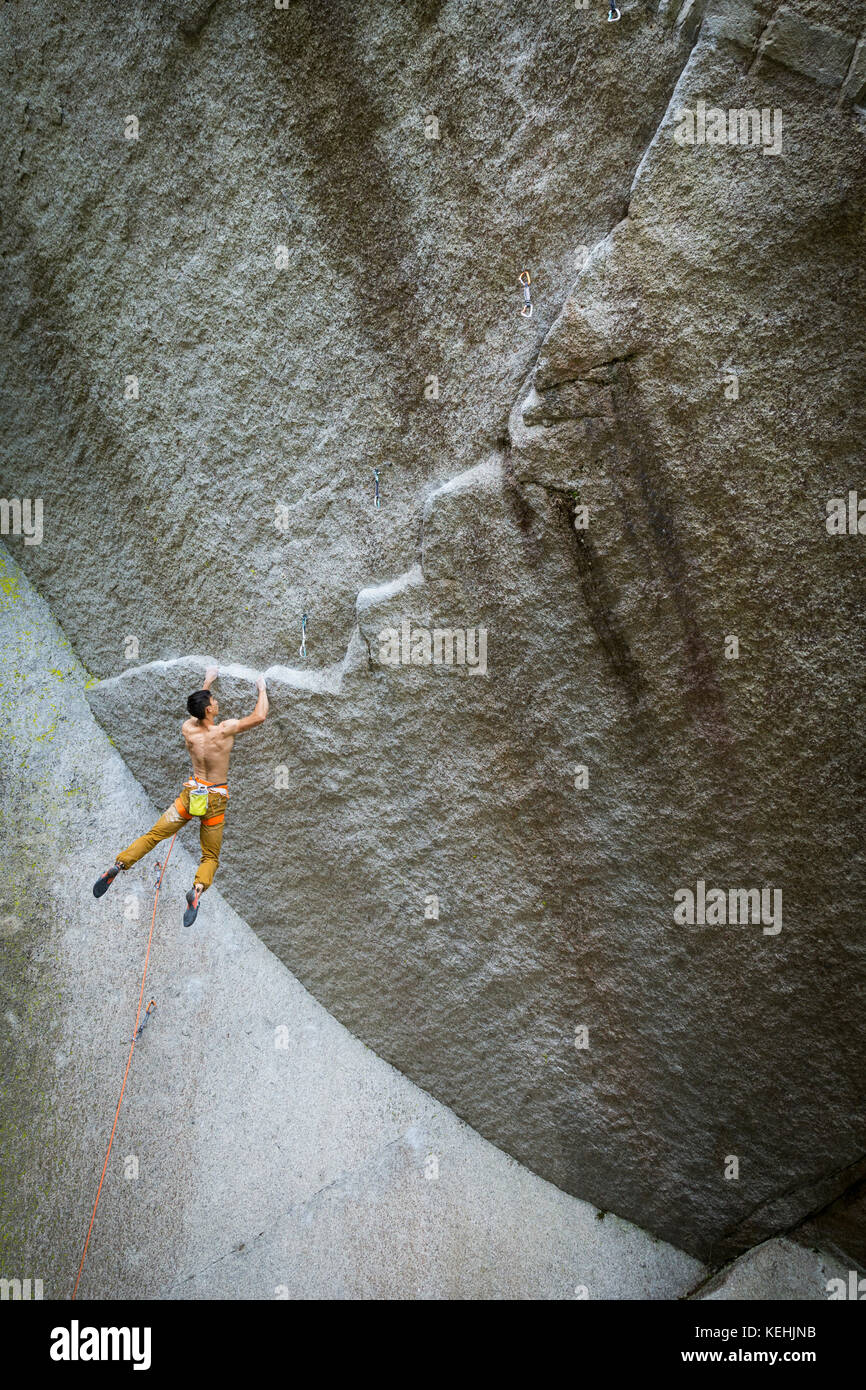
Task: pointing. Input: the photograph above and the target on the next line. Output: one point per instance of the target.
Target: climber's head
(202, 703)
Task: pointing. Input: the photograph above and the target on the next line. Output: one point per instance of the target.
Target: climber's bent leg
(169, 822)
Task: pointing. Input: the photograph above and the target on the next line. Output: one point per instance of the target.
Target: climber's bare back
(210, 744)
(210, 748)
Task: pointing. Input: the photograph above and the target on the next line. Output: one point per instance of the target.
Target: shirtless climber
(204, 796)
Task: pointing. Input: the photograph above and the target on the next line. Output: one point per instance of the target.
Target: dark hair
(198, 703)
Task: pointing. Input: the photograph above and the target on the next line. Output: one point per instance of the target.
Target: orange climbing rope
(135, 1033)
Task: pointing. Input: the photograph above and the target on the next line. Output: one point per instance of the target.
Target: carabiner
(613, 15)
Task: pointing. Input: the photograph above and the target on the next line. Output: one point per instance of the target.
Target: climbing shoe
(104, 882)
(193, 899)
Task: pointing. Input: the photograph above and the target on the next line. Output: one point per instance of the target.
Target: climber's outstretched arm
(258, 716)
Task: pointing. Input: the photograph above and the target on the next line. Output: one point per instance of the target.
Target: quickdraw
(148, 1011)
(613, 15)
(376, 502)
(302, 650)
(523, 278)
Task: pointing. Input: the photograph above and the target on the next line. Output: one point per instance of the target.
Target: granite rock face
(780, 1270)
(261, 1151)
(476, 866)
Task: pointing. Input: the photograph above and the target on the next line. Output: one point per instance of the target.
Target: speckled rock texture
(261, 1151)
(780, 1271)
(477, 871)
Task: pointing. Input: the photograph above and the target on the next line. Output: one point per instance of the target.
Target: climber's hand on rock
(210, 676)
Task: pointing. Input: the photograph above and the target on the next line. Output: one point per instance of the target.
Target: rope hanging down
(135, 1036)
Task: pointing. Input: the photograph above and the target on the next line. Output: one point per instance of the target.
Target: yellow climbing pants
(177, 815)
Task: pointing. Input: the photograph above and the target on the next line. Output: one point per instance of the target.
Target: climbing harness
(198, 800)
(302, 650)
(136, 1035)
(526, 311)
(148, 1011)
(613, 15)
